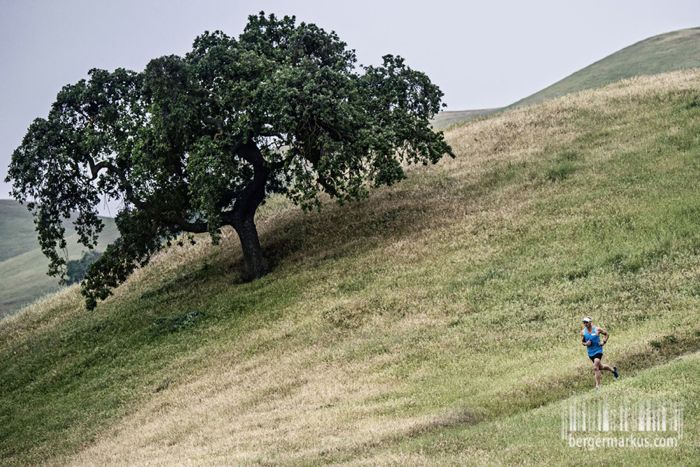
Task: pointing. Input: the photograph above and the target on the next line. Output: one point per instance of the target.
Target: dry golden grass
(400, 330)
(301, 401)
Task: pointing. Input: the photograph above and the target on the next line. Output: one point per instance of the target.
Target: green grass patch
(450, 305)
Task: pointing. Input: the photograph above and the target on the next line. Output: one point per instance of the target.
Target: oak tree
(196, 142)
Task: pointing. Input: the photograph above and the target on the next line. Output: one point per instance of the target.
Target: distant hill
(671, 51)
(23, 266)
(16, 229)
(451, 117)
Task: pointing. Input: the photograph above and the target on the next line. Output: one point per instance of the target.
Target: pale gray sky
(482, 54)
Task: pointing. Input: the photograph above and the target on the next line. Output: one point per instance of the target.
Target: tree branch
(252, 195)
(96, 167)
(192, 227)
(128, 190)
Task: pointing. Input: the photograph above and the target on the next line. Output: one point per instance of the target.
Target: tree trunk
(243, 216)
(256, 265)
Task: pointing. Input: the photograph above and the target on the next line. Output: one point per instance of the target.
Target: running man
(590, 337)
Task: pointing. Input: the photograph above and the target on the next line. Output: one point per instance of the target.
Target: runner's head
(587, 321)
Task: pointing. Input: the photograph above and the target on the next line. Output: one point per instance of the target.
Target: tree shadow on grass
(389, 215)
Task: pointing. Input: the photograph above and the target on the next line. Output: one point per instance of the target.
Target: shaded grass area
(457, 293)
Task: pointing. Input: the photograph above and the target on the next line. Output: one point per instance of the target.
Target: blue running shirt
(594, 337)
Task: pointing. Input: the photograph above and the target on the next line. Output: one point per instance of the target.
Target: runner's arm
(605, 335)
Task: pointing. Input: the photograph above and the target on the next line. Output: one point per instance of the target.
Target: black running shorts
(598, 355)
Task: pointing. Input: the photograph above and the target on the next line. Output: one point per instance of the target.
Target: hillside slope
(671, 51)
(437, 322)
(676, 50)
(449, 118)
(23, 266)
(17, 234)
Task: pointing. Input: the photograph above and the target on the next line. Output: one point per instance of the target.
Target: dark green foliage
(77, 268)
(197, 142)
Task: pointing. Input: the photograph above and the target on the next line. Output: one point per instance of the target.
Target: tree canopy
(194, 143)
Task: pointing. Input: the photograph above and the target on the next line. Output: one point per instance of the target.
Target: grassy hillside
(449, 118)
(17, 234)
(436, 322)
(23, 266)
(675, 50)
